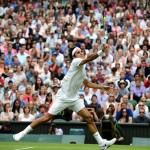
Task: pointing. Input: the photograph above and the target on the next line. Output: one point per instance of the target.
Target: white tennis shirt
(72, 80)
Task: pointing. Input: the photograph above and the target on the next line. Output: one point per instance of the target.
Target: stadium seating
(46, 138)
(148, 105)
(73, 139)
(50, 138)
(76, 131)
(141, 141)
(133, 102)
(59, 120)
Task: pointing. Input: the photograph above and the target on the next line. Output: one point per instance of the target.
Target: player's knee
(89, 119)
(47, 118)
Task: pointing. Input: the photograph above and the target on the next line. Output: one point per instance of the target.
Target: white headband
(74, 50)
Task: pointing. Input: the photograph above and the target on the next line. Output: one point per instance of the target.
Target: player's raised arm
(94, 55)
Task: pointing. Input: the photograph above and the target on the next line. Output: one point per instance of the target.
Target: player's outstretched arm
(95, 86)
(94, 55)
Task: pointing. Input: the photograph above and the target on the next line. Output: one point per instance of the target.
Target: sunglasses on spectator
(141, 105)
(142, 112)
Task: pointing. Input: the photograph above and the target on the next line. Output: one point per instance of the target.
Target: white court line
(24, 148)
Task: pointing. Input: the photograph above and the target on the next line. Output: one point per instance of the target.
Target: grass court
(49, 146)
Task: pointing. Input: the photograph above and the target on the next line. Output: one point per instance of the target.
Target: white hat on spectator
(22, 41)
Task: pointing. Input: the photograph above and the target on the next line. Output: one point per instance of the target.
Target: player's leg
(104, 144)
(81, 110)
(33, 125)
(55, 108)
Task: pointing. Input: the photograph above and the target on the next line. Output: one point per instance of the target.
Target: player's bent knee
(47, 117)
(89, 119)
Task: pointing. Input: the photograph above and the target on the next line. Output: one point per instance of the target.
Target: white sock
(27, 130)
(98, 138)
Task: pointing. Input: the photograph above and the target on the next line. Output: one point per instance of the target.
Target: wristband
(100, 52)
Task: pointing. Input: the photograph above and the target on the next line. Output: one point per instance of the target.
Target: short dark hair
(143, 60)
(114, 69)
(136, 74)
(94, 96)
(42, 106)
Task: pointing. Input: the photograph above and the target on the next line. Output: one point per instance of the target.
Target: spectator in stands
(35, 98)
(137, 91)
(141, 73)
(144, 100)
(42, 95)
(55, 88)
(33, 77)
(23, 85)
(99, 75)
(53, 67)
(40, 66)
(41, 111)
(128, 75)
(125, 99)
(114, 75)
(132, 67)
(7, 114)
(136, 76)
(87, 95)
(45, 75)
(54, 130)
(122, 88)
(6, 98)
(59, 75)
(49, 98)
(103, 97)
(12, 93)
(15, 62)
(20, 98)
(19, 74)
(16, 109)
(27, 96)
(38, 84)
(124, 106)
(94, 104)
(66, 66)
(105, 68)
(141, 118)
(124, 117)
(26, 115)
(30, 73)
(141, 105)
(33, 108)
(111, 100)
(10, 77)
(5, 74)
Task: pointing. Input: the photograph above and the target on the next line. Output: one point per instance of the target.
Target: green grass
(47, 146)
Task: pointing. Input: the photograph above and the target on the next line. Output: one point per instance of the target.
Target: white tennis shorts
(59, 105)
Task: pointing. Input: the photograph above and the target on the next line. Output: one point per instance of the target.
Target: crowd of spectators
(35, 37)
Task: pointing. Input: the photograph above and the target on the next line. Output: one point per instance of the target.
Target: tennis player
(67, 97)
